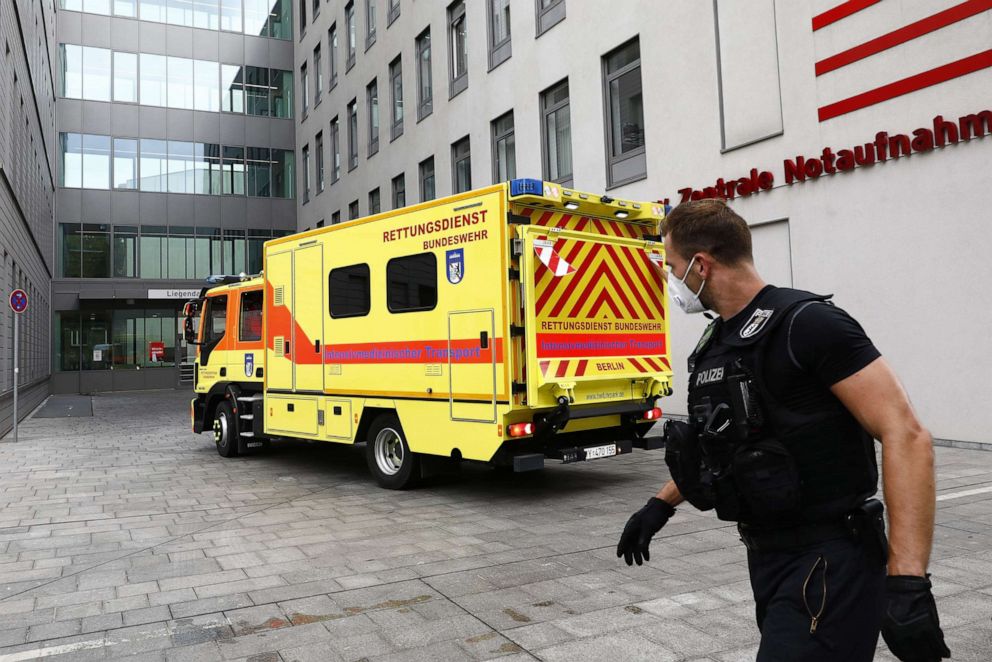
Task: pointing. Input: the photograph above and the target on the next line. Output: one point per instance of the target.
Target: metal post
(17, 324)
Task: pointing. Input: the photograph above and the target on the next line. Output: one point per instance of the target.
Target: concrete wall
(728, 86)
(27, 146)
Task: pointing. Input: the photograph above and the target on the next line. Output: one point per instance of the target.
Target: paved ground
(123, 535)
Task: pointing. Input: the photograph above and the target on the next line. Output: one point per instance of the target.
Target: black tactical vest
(762, 463)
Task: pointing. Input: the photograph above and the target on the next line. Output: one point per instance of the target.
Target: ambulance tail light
(652, 414)
(526, 187)
(521, 429)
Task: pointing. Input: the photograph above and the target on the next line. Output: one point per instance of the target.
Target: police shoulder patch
(756, 322)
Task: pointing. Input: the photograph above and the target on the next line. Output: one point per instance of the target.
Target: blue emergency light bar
(526, 187)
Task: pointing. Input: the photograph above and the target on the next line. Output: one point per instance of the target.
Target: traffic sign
(18, 301)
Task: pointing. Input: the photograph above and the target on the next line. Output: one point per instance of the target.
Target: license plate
(609, 450)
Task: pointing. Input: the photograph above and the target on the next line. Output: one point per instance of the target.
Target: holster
(867, 524)
(684, 460)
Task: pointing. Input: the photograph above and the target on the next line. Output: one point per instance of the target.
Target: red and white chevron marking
(549, 257)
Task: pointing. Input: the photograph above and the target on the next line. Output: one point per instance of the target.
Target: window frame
(392, 12)
(368, 284)
(499, 52)
(496, 138)
(335, 144)
(332, 52)
(545, 111)
(353, 134)
(613, 162)
(425, 105)
(374, 123)
(371, 23)
(354, 210)
(375, 196)
(351, 30)
(399, 179)
(318, 163)
(396, 124)
(420, 178)
(305, 158)
(318, 75)
(241, 315)
(304, 91)
(457, 82)
(465, 141)
(433, 256)
(548, 17)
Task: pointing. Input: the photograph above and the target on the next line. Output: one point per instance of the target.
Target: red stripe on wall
(843, 10)
(902, 35)
(929, 78)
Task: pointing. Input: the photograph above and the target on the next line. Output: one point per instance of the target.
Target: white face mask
(682, 294)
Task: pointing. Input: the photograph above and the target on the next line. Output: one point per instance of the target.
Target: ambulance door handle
(316, 347)
(484, 340)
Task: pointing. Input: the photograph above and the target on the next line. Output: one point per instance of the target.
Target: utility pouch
(867, 524)
(726, 496)
(682, 455)
(767, 480)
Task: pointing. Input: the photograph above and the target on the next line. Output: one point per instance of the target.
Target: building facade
(853, 136)
(176, 160)
(27, 187)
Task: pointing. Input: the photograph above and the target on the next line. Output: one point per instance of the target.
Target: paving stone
(627, 646)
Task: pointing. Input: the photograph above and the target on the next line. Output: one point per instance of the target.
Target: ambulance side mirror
(189, 331)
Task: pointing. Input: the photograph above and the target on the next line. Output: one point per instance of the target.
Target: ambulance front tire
(389, 457)
(225, 430)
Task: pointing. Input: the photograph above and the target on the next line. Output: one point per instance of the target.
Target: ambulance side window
(349, 291)
(216, 321)
(250, 326)
(411, 283)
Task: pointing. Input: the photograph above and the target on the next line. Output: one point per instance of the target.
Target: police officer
(786, 393)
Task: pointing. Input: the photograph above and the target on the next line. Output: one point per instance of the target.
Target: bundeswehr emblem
(756, 323)
(456, 265)
(249, 364)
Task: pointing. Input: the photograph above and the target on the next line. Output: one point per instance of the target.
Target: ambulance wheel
(389, 457)
(225, 430)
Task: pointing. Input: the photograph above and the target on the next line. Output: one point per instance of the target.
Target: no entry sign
(18, 301)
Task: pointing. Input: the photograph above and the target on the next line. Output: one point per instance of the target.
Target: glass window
(207, 252)
(256, 242)
(461, 165)
(71, 68)
(318, 75)
(411, 283)
(259, 172)
(283, 173)
(96, 73)
(499, 32)
(335, 150)
(128, 338)
(206, 166)
(153, 10)
(206, 14)
(154, 165)
(206, 85)
(281, 19)
(425, 87)
(304, 90)
(257, 17)
(181, 251)
(154, 79)
(457, 48)
(319, 161)
(70, 250)
(97, 350)
(125, 164)
(427, 190)
(95, 251)
(353, 134)
(125, 251)
(557, 133)
(332, 41)
(71, 160)
(68, 341)
(396, 89)
(335, 218)
(353, 212)
(152, 251)
(375, 201)
(250, 324)
(504, 149)
(233, 171)
(549, 14)
(372, 99)
(303, 16)
(281, 93)
(369, 23)
(392, 11)
(181, 173)
(230, 15)
(126, 8)
(180, 88)
(95, 161)
(352, 35)
(625, 113)
(215, 319)
(349, 291)
(234, 251)
(257, 91)
(126, 77)
(232, 87)
(399, 191)
(179, 12)
(305, 158)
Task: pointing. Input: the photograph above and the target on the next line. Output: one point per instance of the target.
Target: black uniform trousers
(834, 582)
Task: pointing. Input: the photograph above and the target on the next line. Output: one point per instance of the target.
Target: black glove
(641, 526)
(910, 625)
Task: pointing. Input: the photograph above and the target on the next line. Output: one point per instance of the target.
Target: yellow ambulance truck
(513, 324)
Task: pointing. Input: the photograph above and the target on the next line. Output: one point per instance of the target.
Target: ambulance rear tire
(225, 430)
(388, 455)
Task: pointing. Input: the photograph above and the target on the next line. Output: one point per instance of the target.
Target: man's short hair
(709, 226)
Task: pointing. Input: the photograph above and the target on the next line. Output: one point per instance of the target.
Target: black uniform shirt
(820, 346)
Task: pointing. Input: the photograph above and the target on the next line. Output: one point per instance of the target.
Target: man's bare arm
(876, 398)
(669, 492)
